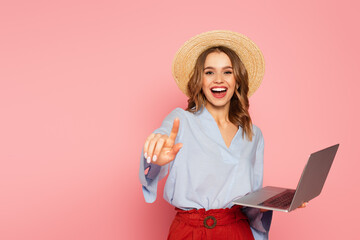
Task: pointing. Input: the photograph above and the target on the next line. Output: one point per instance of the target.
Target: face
(219, 82)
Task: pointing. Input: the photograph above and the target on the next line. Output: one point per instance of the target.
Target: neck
(220, 114)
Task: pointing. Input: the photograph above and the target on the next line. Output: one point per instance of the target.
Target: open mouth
(218, 92)
(218, 89)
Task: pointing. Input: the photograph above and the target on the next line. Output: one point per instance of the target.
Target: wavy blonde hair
(239, 103)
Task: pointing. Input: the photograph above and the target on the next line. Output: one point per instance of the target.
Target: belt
(211, 218)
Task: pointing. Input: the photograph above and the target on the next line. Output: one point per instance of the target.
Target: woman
(212, 150)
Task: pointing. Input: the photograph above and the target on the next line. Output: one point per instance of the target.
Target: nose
(218, 78)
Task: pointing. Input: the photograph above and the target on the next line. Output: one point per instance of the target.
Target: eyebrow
(214, 68)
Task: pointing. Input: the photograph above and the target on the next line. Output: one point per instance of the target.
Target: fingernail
(148, 159)
(145, 155)
(154, 158)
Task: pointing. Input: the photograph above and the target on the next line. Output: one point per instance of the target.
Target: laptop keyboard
(281, 200)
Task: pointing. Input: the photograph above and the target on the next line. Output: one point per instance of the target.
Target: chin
(218, 104)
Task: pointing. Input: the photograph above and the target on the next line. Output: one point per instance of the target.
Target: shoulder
(256, 130)
(180, 113)
(183, 115)
(258, 136)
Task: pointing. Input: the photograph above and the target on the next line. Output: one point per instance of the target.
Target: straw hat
(185, 58)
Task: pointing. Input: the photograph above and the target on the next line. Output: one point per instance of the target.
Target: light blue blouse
(206, 173)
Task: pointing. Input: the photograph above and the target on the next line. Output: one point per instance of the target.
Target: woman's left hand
(303, 205)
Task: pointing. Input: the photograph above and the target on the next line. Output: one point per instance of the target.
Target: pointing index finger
(175, 129)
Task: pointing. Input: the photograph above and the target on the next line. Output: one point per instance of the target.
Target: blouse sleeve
(155, 172)
(259, 222)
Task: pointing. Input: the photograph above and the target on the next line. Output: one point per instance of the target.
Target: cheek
(205, 82)
(231, 82)
(233, 86)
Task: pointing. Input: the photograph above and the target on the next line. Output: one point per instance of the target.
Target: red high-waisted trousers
(214, 224)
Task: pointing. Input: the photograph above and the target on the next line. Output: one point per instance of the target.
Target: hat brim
(185, 58)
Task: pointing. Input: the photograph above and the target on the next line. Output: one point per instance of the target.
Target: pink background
(82, 83)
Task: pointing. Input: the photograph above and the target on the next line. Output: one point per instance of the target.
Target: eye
(228, 72)
(209, 72)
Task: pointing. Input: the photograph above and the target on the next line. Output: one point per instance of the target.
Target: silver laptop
(310, 185)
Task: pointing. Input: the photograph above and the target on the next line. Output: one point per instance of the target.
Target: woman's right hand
(161, 149)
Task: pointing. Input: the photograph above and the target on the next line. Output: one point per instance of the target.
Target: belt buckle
(205, 222)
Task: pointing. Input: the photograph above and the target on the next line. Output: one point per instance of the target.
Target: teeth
(218, 89)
